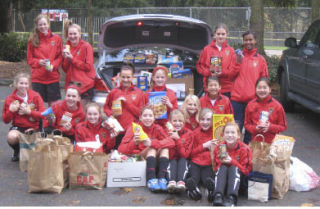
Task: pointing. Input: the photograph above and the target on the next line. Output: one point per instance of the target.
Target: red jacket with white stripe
(252, 67)
(130, 108)
(228, 56)
(183, 145)
(24, 121)
(200, 155)
(158, 136)
(241, 156)
(86, 132)
(277, 118)
(221, 106)
(80, 69)
(50, 47)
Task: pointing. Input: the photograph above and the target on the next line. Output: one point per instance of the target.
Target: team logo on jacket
(271, 111)
(53, 43)
(255, 64)
(227, 52)
(134, 97)
(220, 108)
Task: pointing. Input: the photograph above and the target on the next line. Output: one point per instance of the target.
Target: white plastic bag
(302, 176)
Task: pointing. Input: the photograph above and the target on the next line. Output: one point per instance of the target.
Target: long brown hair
(34, 37)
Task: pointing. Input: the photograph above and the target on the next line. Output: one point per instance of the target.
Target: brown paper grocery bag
(88, 170)
(45, 169)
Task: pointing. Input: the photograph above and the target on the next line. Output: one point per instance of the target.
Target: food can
(264, 116)
(48, 64)
(223, 150)
(67, 47)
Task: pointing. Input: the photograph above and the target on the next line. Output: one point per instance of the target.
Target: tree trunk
(257, 23)
(10, 17)
(90, 23)
(20, 16)
(315, 7)
(4, 16)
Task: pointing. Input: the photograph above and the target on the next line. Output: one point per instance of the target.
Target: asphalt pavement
(302, 125)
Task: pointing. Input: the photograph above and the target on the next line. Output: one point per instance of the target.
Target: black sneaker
(217, 200)
(193, 191)
(210, 188)
(15, 157)
(231, 201)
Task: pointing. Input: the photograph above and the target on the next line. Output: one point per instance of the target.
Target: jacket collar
(214, 44)
(265, 100)
(253, 52)
(42, 36)
(159, 88)
(91, 126)
(131, 88)
(219, 97)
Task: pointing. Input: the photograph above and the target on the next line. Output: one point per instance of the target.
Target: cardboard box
(126, 174)
(180, 84)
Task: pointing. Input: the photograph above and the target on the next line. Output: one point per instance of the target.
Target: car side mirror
(291, 42)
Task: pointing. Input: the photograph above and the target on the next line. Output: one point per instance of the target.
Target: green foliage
(13, 46)
(273, 63)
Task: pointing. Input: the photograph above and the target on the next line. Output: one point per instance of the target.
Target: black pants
(230, 177)
(198, 172)
(118, 141)
(177, 170)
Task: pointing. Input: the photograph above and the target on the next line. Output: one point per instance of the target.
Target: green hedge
(13, 46)
(273, 63)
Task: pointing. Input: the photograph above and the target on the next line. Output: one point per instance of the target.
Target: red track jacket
(80, 68)
(172, 97)
(158, 136)
(191, 123)
(221, 106)
(246, 74)
(277, 118)
(228, 56)
(241, 156)
(24, 121)
(50, 47)
(183, 145)
(130, 108)
(86, 132)
(200, 155)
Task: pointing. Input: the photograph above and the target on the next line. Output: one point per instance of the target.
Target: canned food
(67, 47)
(223, 151)
(48, 64)
(264, 116)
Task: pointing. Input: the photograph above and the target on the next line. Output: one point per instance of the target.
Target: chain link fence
(280, 23)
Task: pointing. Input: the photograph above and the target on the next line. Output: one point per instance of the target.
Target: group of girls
(179, 157)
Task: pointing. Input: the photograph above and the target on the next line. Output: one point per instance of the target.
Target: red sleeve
(249, 124)
(281, 124)
(135, 110)
(87, 63)
(184, 145)
(162, 140)
(198, 149)
(245, 162)
(32, 61)
(229, 107)
(128, 145)
(78, 133)
(109, 143)
(108, 104)
(203, 67)
(36, 114)
(216, 159)
(265, 71)
(58, 56)
(173, 100)
(65, 64)
(233, 69)
(228, 69)
(7, 115)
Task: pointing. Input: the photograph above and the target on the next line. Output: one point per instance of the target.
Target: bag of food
(136, 128)
(88, 170)
(259, 186)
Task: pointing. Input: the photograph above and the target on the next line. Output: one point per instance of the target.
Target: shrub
(13, 46)
(273, 63)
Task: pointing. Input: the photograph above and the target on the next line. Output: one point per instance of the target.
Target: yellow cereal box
(218, 122)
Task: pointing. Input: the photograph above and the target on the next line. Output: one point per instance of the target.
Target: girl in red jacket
(154, 149)
(93, 129)
(191, 109)
(125, 101)
(264, 115)
(214, 100)
(179, 154)
(68, 113)
(201, 162)
(216, 59)
(44, 57)
(23, 107)
(78, 61)
(232, 159)
(158, 83)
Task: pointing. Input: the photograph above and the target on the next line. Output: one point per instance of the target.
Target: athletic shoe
(172, 186)
(231, 201)
(193, 191)
(153, 185)
(217, 200)
(209, 184)
(15, 156)
(163, 184)
(181, 186)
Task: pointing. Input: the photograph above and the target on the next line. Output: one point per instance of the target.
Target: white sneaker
(181, 186)
(172, 186)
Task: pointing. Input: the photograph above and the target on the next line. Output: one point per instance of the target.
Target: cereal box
(218, 122)
(116, 107)
(160, 109)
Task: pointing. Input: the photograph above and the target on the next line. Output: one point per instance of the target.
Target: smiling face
(213, 89)
(159, 78)
(231, 135)
(72, 98)
(262, 90)
(191, 107)
(205, 122)
(93, 115)
(126, 77)
(22, 86)
(220, 36)
(43, 26)
(177, 121)
(147, 117)
(73, 35)
(249, 42)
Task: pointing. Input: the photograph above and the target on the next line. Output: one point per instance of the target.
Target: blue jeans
(239, 113)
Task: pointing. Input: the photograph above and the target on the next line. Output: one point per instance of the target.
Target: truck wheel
(287, 104)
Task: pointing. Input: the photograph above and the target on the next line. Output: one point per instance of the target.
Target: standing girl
(232, 159)
(191, 109)
(93, 129)
(159, 79)
(154, 149)
(213, 99)
(125, 101)
(249, 68)
(264, 115)
(179, 154)
(78, 61)
(201, 162)
(216, 59)
(44, 57)
(23, 107)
